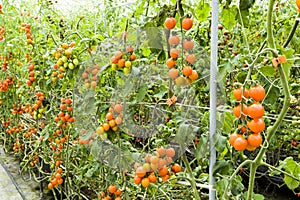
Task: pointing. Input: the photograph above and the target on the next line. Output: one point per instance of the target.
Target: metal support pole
(213, 94)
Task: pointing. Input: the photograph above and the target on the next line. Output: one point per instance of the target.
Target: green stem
(270, 36)
(271, 130)
(292, 31)
(279, 170)
(190, 172)
(246, 162)
(253, 168)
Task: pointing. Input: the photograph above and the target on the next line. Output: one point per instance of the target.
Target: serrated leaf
(293, 168)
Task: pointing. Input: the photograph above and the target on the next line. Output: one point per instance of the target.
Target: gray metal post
(213, 94)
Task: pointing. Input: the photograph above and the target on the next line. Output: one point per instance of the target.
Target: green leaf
(268, 70)
(221, 167)
(293, 168)
(255, 196)
(290, 182)
(141, 93)
(245, 17)
(240, 77)
(221, 185)
(146, 52)
(162, 91)
(227, 17)
(202, 148)
(219, 141)
(184, 134)
(202, 11)
(228, 121)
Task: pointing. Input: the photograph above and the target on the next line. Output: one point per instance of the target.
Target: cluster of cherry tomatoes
(34, 160)
(26, 27)
(188, 73)
(2, 31)
(56, 179)
(123, 61)
(156, 163)
(248, 135)
(112, 193)
(15, 129)
(66, 59)
(1, 11)
(89, 76)
(31, 74)
(113, 120)
(4, 84)
(18, 146)
(65, 115)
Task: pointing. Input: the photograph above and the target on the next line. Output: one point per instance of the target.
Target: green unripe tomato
(64, 59)
(114, 67)
(75, 62)
(103, 136)
(71, 66)
(126, 70)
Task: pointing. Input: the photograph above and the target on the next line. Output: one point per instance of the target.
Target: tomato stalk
(291, 34)
(246, 162)
(281, 171)
(190, 172)
(272, 130)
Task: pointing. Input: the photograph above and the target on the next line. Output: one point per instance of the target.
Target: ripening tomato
(237, 110)
(254, 139)
(237, 93)
(256, 110)
(240, 144)
(257, 92)
(187, 23)
(298, 5)
(256, 125)
(174, 40)
(233, 137)
(170, 22)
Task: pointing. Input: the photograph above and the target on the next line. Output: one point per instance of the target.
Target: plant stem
(246, 162)
(292, 31)
(270, 36)
(271, 130)
(190, 172)
(279, 170)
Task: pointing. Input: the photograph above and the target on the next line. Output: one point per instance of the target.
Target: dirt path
(12, 187)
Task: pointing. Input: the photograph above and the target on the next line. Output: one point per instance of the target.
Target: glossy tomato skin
(256, 110)
(257, 92)
(237, 110)
(187, 23)
(237, 93)
(254, 139)
(240, 144)
(170, 22)
(256, 125)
